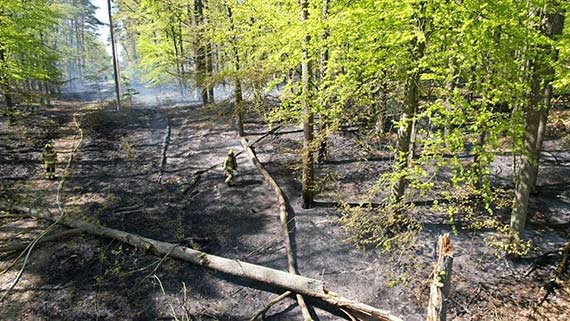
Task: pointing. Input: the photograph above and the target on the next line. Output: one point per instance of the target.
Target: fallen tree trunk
(48, 238)
(287, 217)
(278, 279)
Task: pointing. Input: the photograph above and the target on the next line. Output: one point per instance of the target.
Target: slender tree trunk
(478, 159)
(9, 101)
(405, 132)
(322, 153)
(4, 85)
(210, 70)
(525, 179)
(554, 27)
(308, 124)
(115, 61)
(526, 167)
(200, 50)
(411, 103)
(238, 88)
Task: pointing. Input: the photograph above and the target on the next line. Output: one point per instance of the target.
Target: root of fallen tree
(287, 217)
(283, 281)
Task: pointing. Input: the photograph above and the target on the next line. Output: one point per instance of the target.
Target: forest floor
(116, 180)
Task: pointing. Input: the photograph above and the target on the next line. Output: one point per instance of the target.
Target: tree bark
(554, 26)
(210, 71)
(238, 89)
(200, 50)
(405, 136)
(278, 279)
(308, 119)
(525, 180)
(439, 289)
(411, 103)
(322, 153)
(115, 59)
(4, 85)
(528, 160)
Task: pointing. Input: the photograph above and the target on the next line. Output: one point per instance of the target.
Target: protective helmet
(231, 151)
(48, 146)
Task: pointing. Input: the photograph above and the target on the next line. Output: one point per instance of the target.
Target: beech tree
(542, 55)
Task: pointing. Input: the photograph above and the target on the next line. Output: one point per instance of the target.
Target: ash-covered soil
(116, 179)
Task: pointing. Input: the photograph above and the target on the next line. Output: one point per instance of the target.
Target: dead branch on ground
(261, 313)
(287, 216)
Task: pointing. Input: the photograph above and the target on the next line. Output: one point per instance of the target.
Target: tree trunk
(439, 289)
(20, 246)
(288, 224)
(4, 85)
(525, 180)
(528, 162)
(411, 103)
(322, 153)
(405, 135)
(238, 89)
(308, 118)
(478, 159)
(210, 71)
(200, 50)
(281, 280)
(554, 26)
(115, 59)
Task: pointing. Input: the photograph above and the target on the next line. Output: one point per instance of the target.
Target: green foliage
(388, 228)
(49, 42)
(23, 54)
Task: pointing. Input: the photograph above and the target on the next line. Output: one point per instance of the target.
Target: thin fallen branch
(278, 279)
(261, 313)
(272, 131)
(49, 238)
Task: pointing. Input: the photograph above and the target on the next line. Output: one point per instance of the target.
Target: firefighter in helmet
(230, 167)
(49, 158)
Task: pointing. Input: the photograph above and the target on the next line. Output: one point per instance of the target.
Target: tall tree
(536, 111)
(308, 116)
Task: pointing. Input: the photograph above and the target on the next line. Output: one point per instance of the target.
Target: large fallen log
(277, 279)
(287, 217)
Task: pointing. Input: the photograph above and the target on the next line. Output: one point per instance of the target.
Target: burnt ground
(115, 179)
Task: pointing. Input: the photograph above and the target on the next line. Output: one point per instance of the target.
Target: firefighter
(230, 167)
(49, 157)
